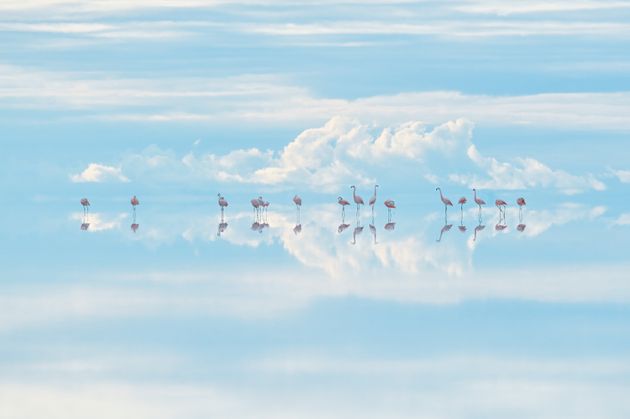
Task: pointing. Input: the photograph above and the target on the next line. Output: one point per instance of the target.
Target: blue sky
(175, 101)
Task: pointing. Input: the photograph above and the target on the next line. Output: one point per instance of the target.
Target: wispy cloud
(275, 99)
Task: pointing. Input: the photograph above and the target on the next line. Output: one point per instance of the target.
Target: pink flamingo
(357, 199)
(501, 204)
(521, 203)
(447, 202)
(390, 206)
(265, 206)
(222, 203)
(297, 201)
(478, 201)
(86, 205)
(256, 204)
(372, 200)
(298, 204)
(343, 203)
(461, 203)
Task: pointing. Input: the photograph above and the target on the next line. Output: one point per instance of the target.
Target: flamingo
(478, 201)
(222, 203)
(343, 203)
(501, 204)
(86, 205)
(298, 204)
(265, 205)
(134, 227)
(372, 200)
(297, 201)
(256, 204)
(521, 203)
(297, 229)
(461, 203)
(521, 227)
(134, 202)
(447, 202)
(390, 206)
(357, 199)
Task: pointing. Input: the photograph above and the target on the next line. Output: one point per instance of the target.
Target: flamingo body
(390, 204)
(297, 201)
(222, 202)
(134, 201)
(521, 202)
(342, 202)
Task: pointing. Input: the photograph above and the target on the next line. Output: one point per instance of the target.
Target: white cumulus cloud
(96, 172)
(345, 151)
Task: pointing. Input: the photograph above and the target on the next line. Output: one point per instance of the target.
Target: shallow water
(175, 317)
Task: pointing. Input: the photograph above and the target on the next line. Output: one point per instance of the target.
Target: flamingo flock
(260, 208)
(499, 203)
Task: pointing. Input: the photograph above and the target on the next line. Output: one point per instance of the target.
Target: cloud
(98, 222)
(622, 175)
(345, 151)
(276, 99)
(624, 219)
(525, 173)
(96, 172)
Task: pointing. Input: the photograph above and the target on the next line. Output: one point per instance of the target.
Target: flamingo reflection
(372, 227)
(390, 226)
(342, 227)
(444, 229)
(297, 229)
(478, 229)
(222, 224)
(85, 221)
(357, 230)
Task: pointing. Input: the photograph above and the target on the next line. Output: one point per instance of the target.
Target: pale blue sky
(175, 101)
